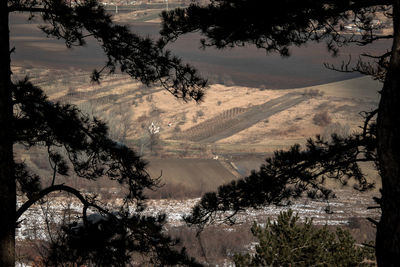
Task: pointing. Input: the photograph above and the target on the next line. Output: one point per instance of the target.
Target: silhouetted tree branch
(289, 175)
(78, 144)
(276, 26)
(92, 154)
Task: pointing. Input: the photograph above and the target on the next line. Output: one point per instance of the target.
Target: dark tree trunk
(7, 182)
(388, 231)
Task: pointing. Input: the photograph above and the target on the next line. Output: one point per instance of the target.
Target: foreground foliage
(275, 26)
(287, 242)
(101, 236)
(289, 175)
(78, 145)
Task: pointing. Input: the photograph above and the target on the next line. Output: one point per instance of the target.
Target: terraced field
(211, 126)
(235, 120)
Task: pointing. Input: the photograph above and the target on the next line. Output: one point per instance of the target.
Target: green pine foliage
(287, 242)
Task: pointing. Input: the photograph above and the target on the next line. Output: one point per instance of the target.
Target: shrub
(336, 128)
(149, 98)
(177, 129)
(289, 243)
(313, 93)
(200, 113)
(183, 119)
(322, 119)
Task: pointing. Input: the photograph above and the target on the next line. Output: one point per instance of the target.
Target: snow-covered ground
(34, 224)
(347, 204)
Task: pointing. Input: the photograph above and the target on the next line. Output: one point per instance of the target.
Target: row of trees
(27, 117)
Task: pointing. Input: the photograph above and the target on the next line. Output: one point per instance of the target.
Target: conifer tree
(287, 242)
(276, 26)
(79, 144)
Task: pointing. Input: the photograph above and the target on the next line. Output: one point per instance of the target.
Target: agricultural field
(233, 125)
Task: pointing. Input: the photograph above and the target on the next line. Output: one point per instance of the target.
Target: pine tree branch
(54, 188)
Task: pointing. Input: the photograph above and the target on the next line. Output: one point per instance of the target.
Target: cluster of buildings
(133, 2)
(376, 24)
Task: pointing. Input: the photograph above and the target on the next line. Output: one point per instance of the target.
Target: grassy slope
(130, 108)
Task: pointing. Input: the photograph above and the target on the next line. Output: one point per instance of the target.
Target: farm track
(106, 86)
(235, 120)
(46, 80)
